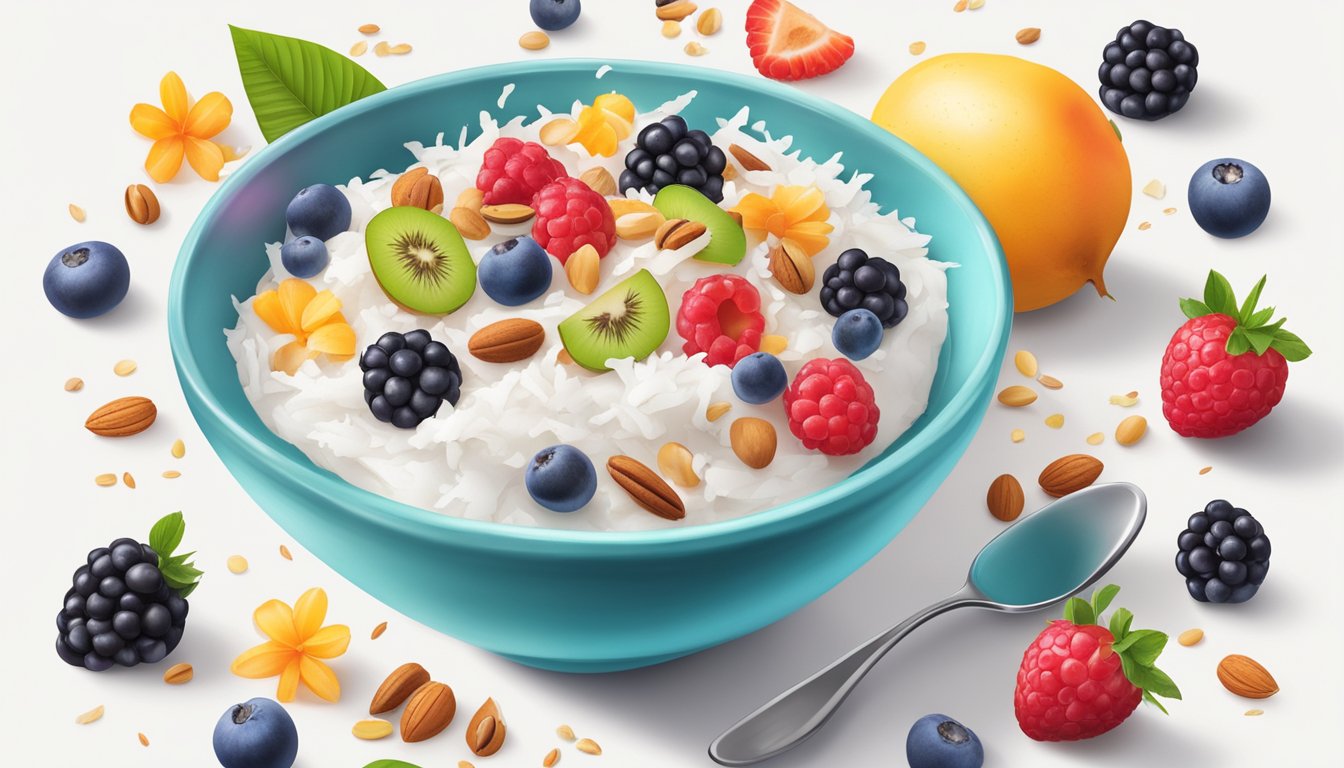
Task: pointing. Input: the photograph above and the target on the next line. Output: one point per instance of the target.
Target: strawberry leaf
(1218, 295)
(1120, 621)
(1248, 306)
(1101, 600)
(1290, 346)
(1193, 308)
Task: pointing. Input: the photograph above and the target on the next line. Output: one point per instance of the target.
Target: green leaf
(1238, 343)
(290, 81)
(391, 764)
(1101, 599)
(167, 534)
(1218, 295)
(1193, 308)
(1259, 318)
(1157, 682)
(1148, 697)
(1120, 621)
(1253, 298)
(1143, 646)
(183, 592)
(1290, 346)
(1260, 340)
(1079, 612)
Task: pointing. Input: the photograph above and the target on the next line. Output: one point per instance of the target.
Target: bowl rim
(383, 511)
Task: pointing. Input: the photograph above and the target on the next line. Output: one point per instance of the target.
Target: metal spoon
(1045, 557)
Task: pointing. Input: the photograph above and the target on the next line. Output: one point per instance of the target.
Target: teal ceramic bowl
(570, 600)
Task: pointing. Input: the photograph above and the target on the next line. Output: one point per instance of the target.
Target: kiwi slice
(727, 242)
(420, 260)
(630, 320)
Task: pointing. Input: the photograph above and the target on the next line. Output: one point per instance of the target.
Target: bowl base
(596, 666)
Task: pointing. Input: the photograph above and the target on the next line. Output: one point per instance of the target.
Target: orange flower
(314, 319)
(798, 214)
(599, 129)
(297, 642)
(183, 129)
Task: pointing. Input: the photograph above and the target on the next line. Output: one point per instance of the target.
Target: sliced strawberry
(788, 43)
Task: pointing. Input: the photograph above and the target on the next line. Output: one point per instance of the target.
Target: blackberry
(668, 153)
(1148, 71)
(127, 604)
(407, 376)
(1223, 554)
(871, 282)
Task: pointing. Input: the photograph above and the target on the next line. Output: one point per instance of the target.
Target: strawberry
(788, 43)
(1227, 367)
(1080, 679)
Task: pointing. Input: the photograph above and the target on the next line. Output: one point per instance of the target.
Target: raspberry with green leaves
(1227, 367)
(1079, 679)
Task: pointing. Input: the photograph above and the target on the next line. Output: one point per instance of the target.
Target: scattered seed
(372, 729)
(284, 552)
(1155, 189)
(960, 6)
(360, 48)
(1205, 470)
(1026, 363)
(671, 29)
(1096, 438)
(534, 40)
(565, 732)
(1018, 436)
(106, 479)
(179, 449)
(1145, 226)
(124, 367)
(1254, 712)
(381, 49)
(179, 674)
(917, 47)
(171, 474)
(74, 384)
(695, 49)
(588, 747)
(465, 764)
(711, 19)
(1017, 396)
(975, 5)
(774, 344)
(1190, 637)
(717, 409)
(237, 564)
(77, 213)
(564, 358)
(551, 758)
(1131, 430)
(1125, 401)
(1168, 211)
(1050, 382)
(1028, 35)
(1054, 420)
(369, 29)
(128, 479)
(144, 740)
(93, 715)
(378, 631)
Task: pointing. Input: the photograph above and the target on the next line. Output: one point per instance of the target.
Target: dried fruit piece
(774, 343)
(639, 226)
(1028, 35)
(1246, 677)
(1054, 420)
(754, 441)
(470, 223)
(76, 213)
(93, 715)
(1131, 430)
(372, 730)
(74, 384)
(677, 10)
(419, 188)
(674, 460)
(1144, 226)
(716, 410)
(1205, 470)
(144, 740)
(534, 40)
(600, 180)
(284, 552)
(1049, 382)
(553, 756)
(917, 47)
(179, 449)
(1254, 712)
(791, 213)
(1017, 436)
(710, 21)
(179, 674)
(237, 564)
(378, 631)
(1168, 211)
(124, 367)
(471, 198)
(960, 6)
(621, 206)
(128, 480)
(368, 29)
(588, 747)
(646, 488)
(485, 732)
(429, 711)
(171, 474)
(397, 687)
(106, 480)
(1017, 396)
(1096, 438)
(1026, 363)
(1190, 637)
(565, 732)
(1005, 498)
(671, 29)
(359, 49)
(122, 417)
(695, 49)
(559, 132)
(1155, 189)
(507, 213)
(381, 49)
(1069, 473)
(1125, 401)
(141, 204)
(400, 49)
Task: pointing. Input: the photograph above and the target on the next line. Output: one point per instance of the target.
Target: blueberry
(144, 578)
(561, 478)
(405, 362)
(857, 333)
(258, 733)
(1228, 197)
(938, 741)
(87, 279)
(759, 378)
(554, 14)
(515, 272)
(304, 256)
(321, 211)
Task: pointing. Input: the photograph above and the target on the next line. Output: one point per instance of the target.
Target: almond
(553, 756)
(469, 223)
(677, 233)
(507, 341)
(417, 188)
(1131, 430)
(141, 204)
(640, 225)
(1017, 396)
(792, 268)
(1245, 677)
(1026, 363)
(1070, 473)
(508, 213)
(429, 711)
(472, 198)
(122, 417)
(716, 410)
(397, 687)
(754, 441)
(369, 29)
(485, 732)
(178, 674)
(746, 159)
(1005, 498)
(599, 180)
(584, 269)
(646, 488)
(622, 206)
(676, 11)
(1028, 35)
(588, 747)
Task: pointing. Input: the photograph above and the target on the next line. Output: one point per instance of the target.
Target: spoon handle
(794, 715)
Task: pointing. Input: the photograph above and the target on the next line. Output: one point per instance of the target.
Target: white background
(1268, 92)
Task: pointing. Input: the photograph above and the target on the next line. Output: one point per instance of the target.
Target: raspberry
(1208, 393)
(831, 408)
(513, 170)
(571, 215)
(721, 316)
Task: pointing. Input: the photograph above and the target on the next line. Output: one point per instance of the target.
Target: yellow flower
(314, 319)
(183, 129)
(297, 642)
(798, 214)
